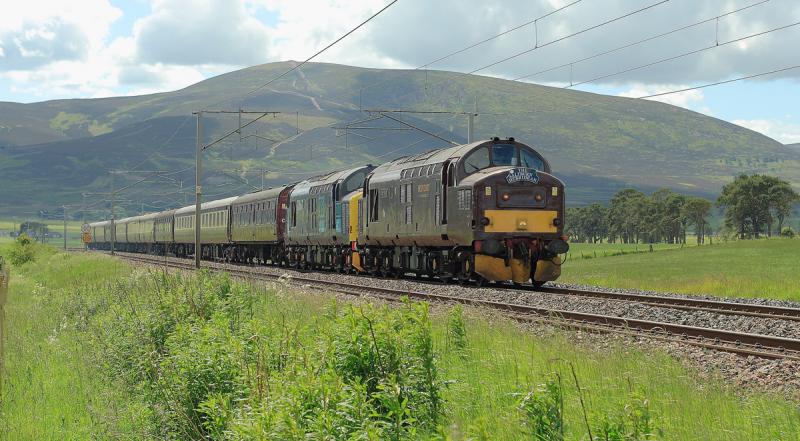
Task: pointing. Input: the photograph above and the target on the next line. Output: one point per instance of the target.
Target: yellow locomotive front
(517, 213)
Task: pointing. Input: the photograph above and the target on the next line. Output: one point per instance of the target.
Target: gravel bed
(748, 300)
(627, 309)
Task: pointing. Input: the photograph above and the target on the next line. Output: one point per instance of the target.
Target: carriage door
(280, 213)
(448, 180)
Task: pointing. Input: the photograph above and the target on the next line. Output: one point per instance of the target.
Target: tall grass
(100, 351)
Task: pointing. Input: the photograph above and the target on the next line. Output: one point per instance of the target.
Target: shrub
(210, 369)
(22, 251)
(634, 421)
(542, 411)
(457, 329)
(788, 232)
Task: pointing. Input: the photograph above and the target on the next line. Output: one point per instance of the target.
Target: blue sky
(51, 49)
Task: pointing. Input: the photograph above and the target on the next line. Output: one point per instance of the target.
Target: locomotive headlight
(538, 197)
(554, 191)
(506, 196)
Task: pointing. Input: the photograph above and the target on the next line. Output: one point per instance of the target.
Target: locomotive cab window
(477, 160)
(504, 154)
(531, 160)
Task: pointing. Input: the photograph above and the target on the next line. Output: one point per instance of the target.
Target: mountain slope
(55, 150)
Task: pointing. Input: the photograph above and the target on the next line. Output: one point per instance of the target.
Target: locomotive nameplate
(522, 175)
(423, 188)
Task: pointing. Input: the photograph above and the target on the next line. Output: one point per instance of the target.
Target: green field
(747, 268)
(73, 231)
(594, 250)
(98, 350)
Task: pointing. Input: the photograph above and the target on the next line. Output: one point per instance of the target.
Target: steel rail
(742, 343)
(717, 306)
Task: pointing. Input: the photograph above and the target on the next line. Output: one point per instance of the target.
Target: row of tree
(752, 204)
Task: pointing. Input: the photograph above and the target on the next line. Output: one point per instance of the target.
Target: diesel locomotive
(489, 210)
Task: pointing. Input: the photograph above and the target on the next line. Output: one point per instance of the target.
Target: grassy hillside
(747, 268)
(56, 149)
(98, 350)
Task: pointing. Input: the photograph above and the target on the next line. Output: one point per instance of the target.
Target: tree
(625, 215)
(781, 199)
(750, 202)
(594, 222)
(587, 224)
(695, 211)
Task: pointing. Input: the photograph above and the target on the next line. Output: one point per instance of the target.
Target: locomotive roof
(206, 205)
(439, 156)
(100, 223)
(260, 195)
(333, 176)
(432, 156)
(330, 178)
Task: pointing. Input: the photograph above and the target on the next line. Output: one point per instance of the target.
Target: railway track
(745, 344)
(716, 306)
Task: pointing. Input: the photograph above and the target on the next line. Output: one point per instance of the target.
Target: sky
(51, 49)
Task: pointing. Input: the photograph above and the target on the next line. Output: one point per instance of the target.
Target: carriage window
(531, 160)
(504, 154)
(477, 160)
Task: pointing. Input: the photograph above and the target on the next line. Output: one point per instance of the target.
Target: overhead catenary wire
(717, 83)
(685, 54)
(644, 40)
(452, 75)
(292, 69)
(574, 34)
(481, 42)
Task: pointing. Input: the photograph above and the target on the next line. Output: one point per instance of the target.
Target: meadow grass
(579, 250)
(248, 359)
(503, 362)
(52, 386)
(746, 268)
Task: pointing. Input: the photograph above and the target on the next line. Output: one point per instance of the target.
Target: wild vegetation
(98, 350)
(753, 205)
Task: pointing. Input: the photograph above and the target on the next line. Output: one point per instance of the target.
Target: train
(490, 210)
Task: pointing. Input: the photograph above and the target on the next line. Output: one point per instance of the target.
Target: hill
(51, 152)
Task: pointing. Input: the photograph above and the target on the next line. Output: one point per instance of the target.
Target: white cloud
(33, 34)
(782, 131)
(688, 99)
(192, 32)
(188, 38)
